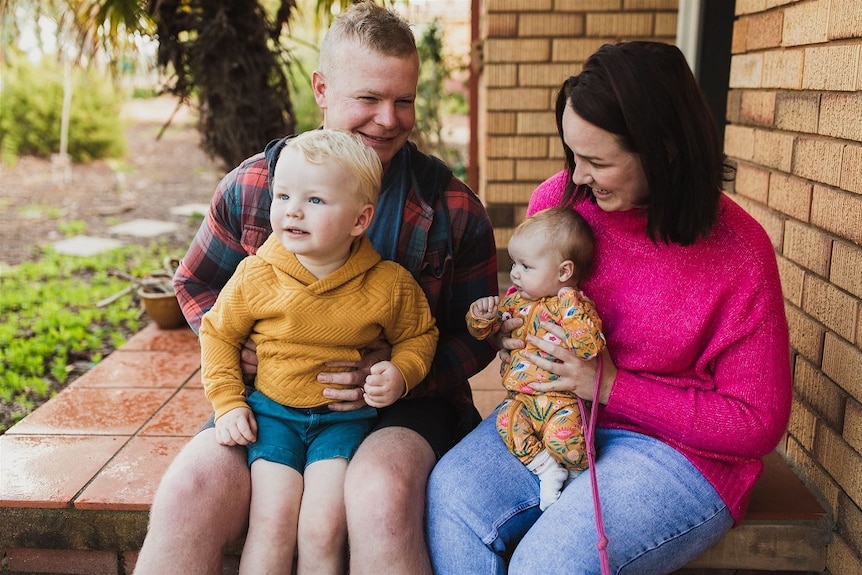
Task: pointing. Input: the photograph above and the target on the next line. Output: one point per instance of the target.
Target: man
(428, 221)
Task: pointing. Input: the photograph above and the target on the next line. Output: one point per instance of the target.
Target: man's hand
(236, 427)
(353, 398)
(248, 361)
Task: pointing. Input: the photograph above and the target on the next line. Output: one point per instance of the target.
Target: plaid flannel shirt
(446, 241)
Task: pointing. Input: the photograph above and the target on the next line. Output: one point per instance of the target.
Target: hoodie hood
(362, 258)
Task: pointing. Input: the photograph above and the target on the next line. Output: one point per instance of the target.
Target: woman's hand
(574, 374)
(352, 397)
(504, 341)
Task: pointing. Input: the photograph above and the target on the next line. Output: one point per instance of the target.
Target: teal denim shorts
(298, 437)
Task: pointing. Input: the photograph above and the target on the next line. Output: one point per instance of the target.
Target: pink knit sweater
(699, 336)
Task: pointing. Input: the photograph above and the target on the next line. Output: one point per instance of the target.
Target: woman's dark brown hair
(645, 94)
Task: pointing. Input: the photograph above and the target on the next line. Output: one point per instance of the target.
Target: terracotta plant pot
(163, 309)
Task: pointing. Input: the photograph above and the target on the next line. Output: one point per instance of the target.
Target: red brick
(826, 399)
(831, 306)
(757, 107)
(791, 196)
(764, 30)
(845, 270)
(842, 363)
(837, 212)
(806, 335)
(792, 277)
(805, 23)
(61, 561)
(782, 69)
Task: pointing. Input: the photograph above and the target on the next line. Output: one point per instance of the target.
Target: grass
(51, 330)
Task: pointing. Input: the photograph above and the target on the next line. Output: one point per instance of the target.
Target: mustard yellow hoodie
(300, 323)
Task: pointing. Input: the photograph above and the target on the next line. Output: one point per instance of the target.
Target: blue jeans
(659, 512)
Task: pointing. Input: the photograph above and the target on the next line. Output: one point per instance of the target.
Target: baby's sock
(551, 476)
(572, 474)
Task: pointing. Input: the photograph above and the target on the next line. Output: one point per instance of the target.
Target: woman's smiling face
(615, 175)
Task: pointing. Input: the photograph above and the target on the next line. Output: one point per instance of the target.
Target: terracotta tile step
(77, 475)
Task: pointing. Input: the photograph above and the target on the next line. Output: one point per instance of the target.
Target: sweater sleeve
(224, 330)
(412, 331)
(226, 236)
(582, 324)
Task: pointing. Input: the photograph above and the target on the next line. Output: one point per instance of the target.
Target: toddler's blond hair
(346, 150)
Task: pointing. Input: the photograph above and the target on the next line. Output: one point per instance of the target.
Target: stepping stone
(144, 228)
(85, 245)
(188, 210)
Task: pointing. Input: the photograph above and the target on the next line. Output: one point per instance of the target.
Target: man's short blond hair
(346, 150)
(377, 28)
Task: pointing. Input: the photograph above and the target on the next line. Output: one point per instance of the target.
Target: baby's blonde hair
(346, 150)
(566, 233)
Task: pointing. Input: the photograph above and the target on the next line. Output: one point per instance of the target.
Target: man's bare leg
(385, 503)
(200, 507)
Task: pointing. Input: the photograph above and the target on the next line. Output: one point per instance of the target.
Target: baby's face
(535, 267)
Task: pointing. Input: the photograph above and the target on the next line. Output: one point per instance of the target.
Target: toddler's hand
(236, 427)
(384, 385)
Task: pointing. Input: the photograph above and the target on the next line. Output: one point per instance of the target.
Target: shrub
(31, 104)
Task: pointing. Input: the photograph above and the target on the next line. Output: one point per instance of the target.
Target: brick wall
(795, 131)
(528, 48)
(795, 134)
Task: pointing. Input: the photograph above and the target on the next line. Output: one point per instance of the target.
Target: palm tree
(226, 54)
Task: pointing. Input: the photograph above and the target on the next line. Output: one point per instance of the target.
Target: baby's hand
(236, 427)
(384, 385)
(486, 307)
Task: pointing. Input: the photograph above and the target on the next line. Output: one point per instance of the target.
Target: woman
(695, 387)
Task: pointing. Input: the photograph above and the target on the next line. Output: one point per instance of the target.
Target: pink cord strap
(602, 544)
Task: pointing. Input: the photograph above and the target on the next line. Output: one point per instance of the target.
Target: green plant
(51, 328)
(31, 102)
(72, 228)
(432, 99)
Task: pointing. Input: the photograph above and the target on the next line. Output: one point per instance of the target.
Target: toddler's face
(315, 208)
